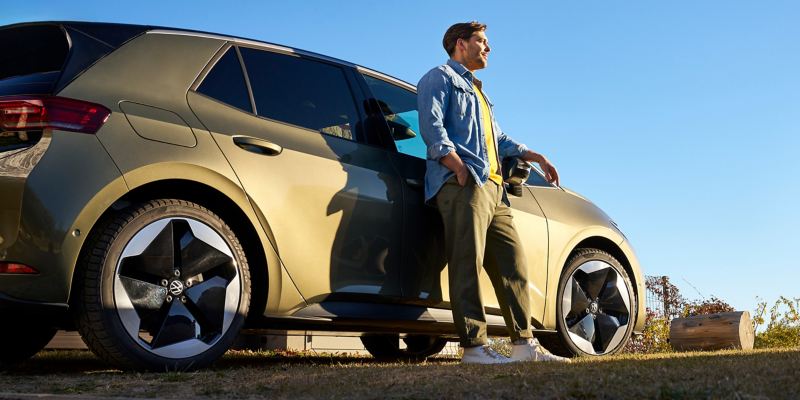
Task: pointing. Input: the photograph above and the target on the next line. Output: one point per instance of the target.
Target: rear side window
(42, 58)
(302, 92)
(31, 58)
(32, 49)
(226, 82)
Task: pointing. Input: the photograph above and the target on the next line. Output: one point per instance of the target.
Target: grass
(759, 374)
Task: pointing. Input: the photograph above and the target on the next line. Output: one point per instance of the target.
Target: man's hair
(461, 30)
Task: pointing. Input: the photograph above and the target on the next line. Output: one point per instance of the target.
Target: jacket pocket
(464, 96)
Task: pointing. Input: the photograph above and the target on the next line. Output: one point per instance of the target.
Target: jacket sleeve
(506, 146)
(433, 96)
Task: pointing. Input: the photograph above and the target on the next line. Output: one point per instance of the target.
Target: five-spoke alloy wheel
(166, 287)
(596, 305)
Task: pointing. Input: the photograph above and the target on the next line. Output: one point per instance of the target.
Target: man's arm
(550, 172)
(508, 147)
(433, 95)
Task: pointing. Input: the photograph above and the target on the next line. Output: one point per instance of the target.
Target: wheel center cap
(593, 308)
(176, 288)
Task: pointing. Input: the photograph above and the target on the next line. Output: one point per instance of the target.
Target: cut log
(729, 330)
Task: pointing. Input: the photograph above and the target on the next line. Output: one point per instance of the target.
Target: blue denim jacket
(449, 120)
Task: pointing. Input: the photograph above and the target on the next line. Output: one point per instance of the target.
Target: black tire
(163, 286)
(597, 281)
(20, 341)
(386, 347)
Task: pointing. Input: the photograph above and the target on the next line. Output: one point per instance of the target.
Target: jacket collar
(460, 69)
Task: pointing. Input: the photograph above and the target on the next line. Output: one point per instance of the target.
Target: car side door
(424, 271)
(331, 203)
(394, 117)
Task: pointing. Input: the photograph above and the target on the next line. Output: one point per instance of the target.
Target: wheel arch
(613, 244)
(263, 263)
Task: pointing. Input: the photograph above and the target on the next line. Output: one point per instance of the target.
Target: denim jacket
(449, 120)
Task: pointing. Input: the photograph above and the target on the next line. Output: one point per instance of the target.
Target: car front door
(425, 274)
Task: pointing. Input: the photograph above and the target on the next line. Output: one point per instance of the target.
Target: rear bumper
(16, 310)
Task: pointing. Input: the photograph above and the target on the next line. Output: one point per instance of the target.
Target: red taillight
(15, 268)
(21, 113)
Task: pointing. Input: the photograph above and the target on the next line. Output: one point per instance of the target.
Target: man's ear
(460, 42)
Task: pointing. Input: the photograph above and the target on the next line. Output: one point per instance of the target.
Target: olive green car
(164, 190)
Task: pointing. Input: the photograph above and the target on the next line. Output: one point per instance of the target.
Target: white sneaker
(532, 350)
(483, 355)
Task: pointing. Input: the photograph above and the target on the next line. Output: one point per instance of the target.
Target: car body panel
(531, 225)
(571, 220)
(60, 198)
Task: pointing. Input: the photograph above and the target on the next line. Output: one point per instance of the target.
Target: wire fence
(663, 298)
(655, 301)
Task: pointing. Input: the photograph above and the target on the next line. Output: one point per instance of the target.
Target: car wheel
(165, 286)
(595, 306)
(20, 342)
(386, 347)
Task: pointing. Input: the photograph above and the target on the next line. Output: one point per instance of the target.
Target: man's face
(475, 51)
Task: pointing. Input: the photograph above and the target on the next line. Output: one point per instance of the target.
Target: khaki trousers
(479, 232)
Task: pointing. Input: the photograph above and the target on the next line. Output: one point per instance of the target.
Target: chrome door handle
(258, 146)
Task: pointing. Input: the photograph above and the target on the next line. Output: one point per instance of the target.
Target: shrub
(783, 328)
(654, 338)
(711, 306)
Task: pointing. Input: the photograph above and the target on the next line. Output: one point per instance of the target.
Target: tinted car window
(226, 82)
(399, 106)
(302, 92)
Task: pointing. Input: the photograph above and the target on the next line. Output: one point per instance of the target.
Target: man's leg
(506, 266)
(466, 213)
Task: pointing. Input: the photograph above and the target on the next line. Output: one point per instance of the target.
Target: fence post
(665, 295)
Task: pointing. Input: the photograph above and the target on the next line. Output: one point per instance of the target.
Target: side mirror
(515, 173)
(400, 131)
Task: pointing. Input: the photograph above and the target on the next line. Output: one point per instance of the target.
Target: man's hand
(453, 162)
(550, 172)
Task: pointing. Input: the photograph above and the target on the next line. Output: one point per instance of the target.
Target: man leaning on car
(463, 178)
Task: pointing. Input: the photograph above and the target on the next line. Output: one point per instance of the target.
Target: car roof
(154, 29)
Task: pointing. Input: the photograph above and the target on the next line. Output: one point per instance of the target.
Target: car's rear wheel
(165, 286)
(386, 347)
(595, 308)
(21, 340)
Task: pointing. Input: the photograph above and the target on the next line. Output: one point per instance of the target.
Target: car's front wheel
(165, 286)
(596, 306)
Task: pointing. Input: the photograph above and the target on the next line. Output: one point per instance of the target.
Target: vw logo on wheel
(176, 288)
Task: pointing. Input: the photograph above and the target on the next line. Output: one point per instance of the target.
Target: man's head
(466, 43)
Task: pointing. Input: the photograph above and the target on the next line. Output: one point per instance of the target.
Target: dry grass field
(761, 374)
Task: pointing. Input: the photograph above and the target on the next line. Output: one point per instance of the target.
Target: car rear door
(332, 204)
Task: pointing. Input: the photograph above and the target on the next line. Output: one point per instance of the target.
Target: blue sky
(680, 119)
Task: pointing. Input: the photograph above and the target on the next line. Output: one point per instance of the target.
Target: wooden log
(728, 330)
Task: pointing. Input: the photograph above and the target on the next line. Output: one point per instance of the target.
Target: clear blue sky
(681, 119)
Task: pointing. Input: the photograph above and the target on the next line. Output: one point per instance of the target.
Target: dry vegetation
(724, 374)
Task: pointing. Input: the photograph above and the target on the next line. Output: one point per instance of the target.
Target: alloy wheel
(596, 307)
(177, 287)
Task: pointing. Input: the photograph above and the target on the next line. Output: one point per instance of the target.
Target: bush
(654, 338)
(783, 329)
(713, 305)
